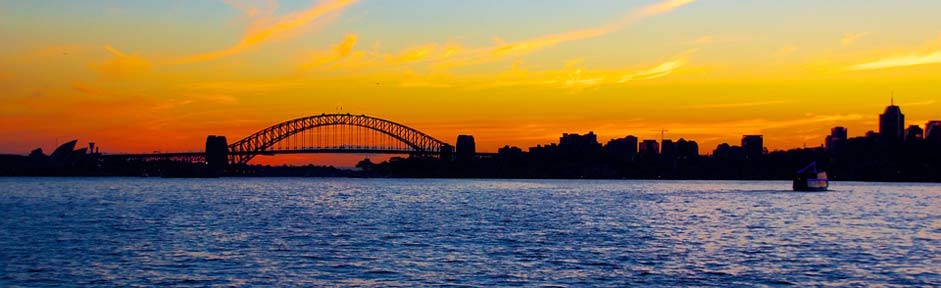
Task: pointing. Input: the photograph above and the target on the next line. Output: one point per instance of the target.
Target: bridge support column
(217, 149)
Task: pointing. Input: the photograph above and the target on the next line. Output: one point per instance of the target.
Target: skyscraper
(687, 149)
(914, 133)
(933, 132)
(891, 124)
(573, 145)
(753, 146)
(622, 149)
(649, 147)
(837, 136)
(667, 149)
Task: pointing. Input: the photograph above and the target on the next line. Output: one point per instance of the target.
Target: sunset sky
(138, 76)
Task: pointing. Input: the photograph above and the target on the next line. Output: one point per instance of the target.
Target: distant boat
(809, 179)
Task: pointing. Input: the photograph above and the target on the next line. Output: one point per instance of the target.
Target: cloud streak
(758, 125)
(575, 78)
(849, 39)
(658, 71)
(442, 57)
(899, 61)
(260, 32)
(122, 66)
(339, 51)
(738, 104)
(523, 47)
(530, 45)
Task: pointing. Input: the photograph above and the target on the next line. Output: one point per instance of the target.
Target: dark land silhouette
(894, 153)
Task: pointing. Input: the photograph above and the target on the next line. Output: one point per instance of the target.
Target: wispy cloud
(533, 44)
(737, 104)
(739, 127)
(850, 38)
(572, 77)
(899, 61)
(338, 51)
(122, 66)
(264, 30)
(523, 47)
(440, 57)
(238, 86)
(413, 54)
(529, 45)
(661, 70)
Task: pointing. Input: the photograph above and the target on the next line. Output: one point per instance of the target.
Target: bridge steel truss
(347, 126)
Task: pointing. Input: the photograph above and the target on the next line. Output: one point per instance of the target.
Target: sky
(142, 76)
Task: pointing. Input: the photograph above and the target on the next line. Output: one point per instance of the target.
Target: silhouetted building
(891, 124)
(544, 152)
(573, 146)
(64, 160)
(933, 132)
(622, 149)
(649, 147)
(914, 133)
(667, 149)
(836, 138)
(510, 152)
(466, 147)
(64, 152)
(753, 146)
(686, 149)
(726, 152)
(576, 142)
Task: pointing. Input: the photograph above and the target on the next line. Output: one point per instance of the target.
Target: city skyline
(131, 75)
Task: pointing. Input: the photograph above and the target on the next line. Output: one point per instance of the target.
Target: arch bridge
(331, 133)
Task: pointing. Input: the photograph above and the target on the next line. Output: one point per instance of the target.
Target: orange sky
(161, 75)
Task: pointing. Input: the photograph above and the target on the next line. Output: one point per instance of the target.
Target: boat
(810, 179)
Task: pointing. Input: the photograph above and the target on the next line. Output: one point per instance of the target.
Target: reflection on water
(371, 232)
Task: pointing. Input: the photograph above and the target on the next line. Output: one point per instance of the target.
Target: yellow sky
(161, 76)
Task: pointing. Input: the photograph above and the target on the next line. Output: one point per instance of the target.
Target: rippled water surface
(379, 232)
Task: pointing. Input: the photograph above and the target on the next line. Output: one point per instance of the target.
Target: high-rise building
(622, 149)
(577, 146)
(510, 152)
(914, 133)
(891, 124)
(578, 142)
(667, 149)
(727, 152)
(933, 131)
(687, 149)
(649, 147)
(753, 146)
(836, 138)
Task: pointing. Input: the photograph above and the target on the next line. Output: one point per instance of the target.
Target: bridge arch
(261, 142)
